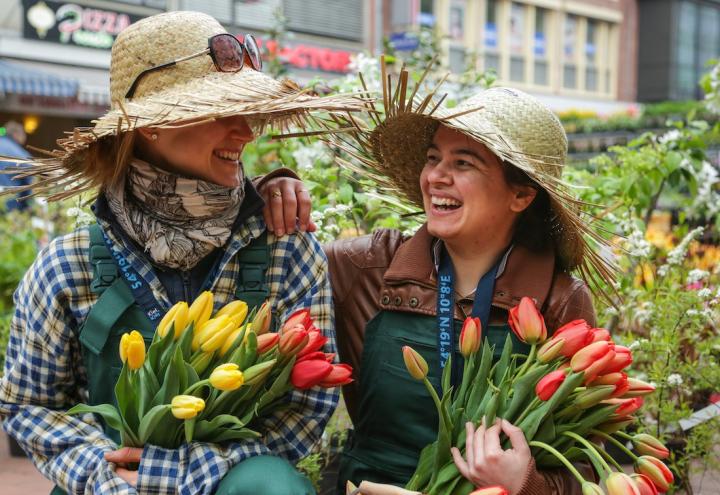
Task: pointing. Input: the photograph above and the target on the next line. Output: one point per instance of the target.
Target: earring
(154, 136)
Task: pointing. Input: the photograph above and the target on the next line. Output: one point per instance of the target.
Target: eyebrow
(461, 151)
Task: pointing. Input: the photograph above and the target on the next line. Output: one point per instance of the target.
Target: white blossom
(637, 246)
(704, 293)
(675, 379)
(692, 312)
(672, 135)
(677, 254)
(696, 275)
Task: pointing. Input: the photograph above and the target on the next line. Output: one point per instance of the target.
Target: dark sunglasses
(226, 51)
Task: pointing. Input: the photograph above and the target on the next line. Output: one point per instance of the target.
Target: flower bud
(263, 319)
(415, 363)
(656, 470)
(576, 334)
(212, 334)
(227, 377)
(589, 488)
(237, 311)
(266, 341)
(550, 350)
(638, 388)
(258, 372)
(299, 317)
(341, 374)
(186, 406)
(309, 373)
(593, 395)
(201, 362)
(490, 490)
(293, 341)
(609, 379)
(625, 407)
(470, 336)
(649, 445)
(548, 385)
(316, 341)
(177, 317)
(623, 358)
(599, 334)
(527, 322)
(132, 349)
(644, 484)
(620, 484)
(590, 355)
(201, 308)
(229, 341)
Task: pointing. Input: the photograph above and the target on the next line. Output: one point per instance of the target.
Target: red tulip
(626, 406)
(490, 490)
(341, 374)
(609, 379)
(293, 341)
(299, 317)
(577, 335)
(307, 374)
(316, 341)
(599, 334)
(621, 484)
(266, 341)
(550, 350)
(656, 470)
(623, 358)
(638, 388)
(527, 322)
(644, 484)
(549, 384)
(415, 363)
(470, 336)
(592, 359)
(649, 445)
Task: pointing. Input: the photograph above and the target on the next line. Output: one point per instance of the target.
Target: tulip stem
(528, 361)
(615, 442)
(433, 394)
(591, 449)
(196, 386)
(536, 401)
(560, 457)
(610, 458)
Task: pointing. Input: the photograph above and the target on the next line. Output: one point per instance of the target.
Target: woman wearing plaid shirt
(175, 216)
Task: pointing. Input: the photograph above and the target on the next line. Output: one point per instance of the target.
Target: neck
(472, 261)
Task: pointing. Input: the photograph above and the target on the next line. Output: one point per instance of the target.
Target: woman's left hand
(486, 463)
(124, 458)
(287, 202)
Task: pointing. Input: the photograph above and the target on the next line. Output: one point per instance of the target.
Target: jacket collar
(526, 273)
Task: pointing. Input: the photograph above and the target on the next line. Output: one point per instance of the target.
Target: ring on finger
(276, 193)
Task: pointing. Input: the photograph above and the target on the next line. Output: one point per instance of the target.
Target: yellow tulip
(214, 340)
(186, 406)
(202, 333)
(236, 310)
(201, 309)
(132, 349)
(229, 341)
(415, 363)
(262, 320)
(227, 377)
(177, 315)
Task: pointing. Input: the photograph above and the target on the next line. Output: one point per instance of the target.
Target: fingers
(470, 443)
(289, 206)
(517, 437)
(275, 204)
(479, 443)
(304, 206)
(129, 476)
(124, 455)
(460, 463)
(267, 211)
(493, 449)
(312, 227)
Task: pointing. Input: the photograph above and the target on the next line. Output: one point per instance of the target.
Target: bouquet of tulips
(568, 395)
(208, 378)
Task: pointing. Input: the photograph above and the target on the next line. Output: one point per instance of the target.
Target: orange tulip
(266, 341)
(592, 356)
(527, 322)
(621, 484)
(638, 388)
(656, 470)
(649, 445)
(550, 350)
(599, 334)
(623, 358)
(415, 363)
(644, 484)
(341, 374)
(625, 407)
(576, 334)
(293, 341)
(470, 336)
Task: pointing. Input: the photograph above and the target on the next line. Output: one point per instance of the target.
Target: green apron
(397, 416)
(115, 313)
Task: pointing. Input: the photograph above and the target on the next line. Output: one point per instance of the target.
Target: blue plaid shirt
(44, 373)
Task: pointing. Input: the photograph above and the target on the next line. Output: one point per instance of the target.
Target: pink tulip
(644, 484)
(307, 374)
(527, 322)
(548, 385)
(621, 484)
(266, 341)
(293, 341)
(577, 335)
(341, 374)
(649, 445)
(656, 470)
(470, 336)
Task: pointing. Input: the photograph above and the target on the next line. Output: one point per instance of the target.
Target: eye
(432, 158)
(463, 164)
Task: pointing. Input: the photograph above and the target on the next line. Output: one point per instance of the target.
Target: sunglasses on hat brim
(227, 53)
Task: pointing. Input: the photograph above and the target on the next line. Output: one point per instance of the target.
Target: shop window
(591, 71)
(540, 49)
(517, 42)
(491, 38)
(457, 59)
(687, 49)
(570, 33)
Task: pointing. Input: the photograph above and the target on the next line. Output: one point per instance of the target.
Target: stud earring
(154, 136)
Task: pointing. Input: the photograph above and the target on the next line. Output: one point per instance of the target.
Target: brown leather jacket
(385, 270)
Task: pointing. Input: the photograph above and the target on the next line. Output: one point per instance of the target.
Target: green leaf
(504, 361)
(107, 411)
(151, 420)
(423, 471)
(447, 374)
(524, 392)
(479, 383)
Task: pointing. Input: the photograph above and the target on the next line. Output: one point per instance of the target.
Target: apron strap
(104, 267)
(113, 302)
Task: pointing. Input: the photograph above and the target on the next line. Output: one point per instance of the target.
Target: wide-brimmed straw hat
(513, 125)
(189, 92)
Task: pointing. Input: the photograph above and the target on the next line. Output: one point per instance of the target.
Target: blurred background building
(597, 55)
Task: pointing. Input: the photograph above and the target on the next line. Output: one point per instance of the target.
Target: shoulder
(368, 251)
(569, 299)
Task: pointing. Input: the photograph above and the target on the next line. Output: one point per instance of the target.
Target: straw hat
(515, 126)
(192, 90)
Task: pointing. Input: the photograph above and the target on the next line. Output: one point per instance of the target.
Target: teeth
(228, 155)
(445, 201)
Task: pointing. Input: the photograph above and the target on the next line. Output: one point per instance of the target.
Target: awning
(16, 79)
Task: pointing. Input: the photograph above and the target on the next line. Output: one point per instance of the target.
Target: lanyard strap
(446, 305)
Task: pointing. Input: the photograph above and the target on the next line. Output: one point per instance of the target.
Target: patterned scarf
(177, 220)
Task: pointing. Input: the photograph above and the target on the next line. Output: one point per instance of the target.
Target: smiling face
(210, 151)
(467, 200)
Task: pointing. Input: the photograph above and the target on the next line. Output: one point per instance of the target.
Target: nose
(239, 128)
(440, 173)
